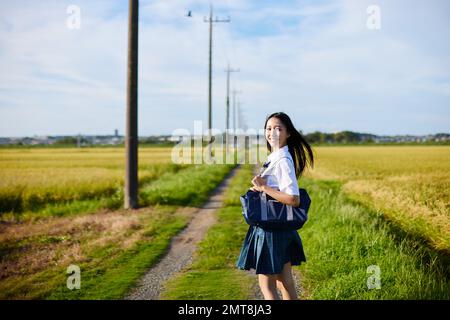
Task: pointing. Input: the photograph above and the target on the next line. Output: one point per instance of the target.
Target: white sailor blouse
(279, 171)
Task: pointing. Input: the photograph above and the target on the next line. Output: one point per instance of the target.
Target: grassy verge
(111, 272)
(112, 249)
(343, 238)
(213, 274)
(346, 244)
(190, 187)
(77, 207)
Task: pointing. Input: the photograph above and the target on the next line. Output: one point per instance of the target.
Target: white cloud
(316, 61)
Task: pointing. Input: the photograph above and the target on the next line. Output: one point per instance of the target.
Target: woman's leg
(268, 285)
(286, 284)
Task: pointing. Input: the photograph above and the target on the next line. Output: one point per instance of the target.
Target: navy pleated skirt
(268, 251)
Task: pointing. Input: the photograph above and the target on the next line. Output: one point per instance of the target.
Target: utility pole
(131, 139)
(229, 70)
(227, 125)
(234, 92)
(241, 119)
(211, 21)
(239, 114)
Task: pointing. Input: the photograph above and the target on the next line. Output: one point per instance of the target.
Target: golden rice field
(409, 185)
(113, 246)
(33, 177)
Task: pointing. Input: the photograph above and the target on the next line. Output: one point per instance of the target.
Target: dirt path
(182, 247)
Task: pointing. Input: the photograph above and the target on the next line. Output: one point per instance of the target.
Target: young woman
(273, 253)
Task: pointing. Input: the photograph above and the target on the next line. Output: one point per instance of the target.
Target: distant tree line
(350, 137)
(339, 137)
(317, 137)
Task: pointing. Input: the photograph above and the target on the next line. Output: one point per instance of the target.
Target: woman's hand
(258, 184)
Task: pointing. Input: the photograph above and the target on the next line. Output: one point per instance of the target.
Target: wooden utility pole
(210, 21)
(229, 70)
(227, 124)
(234, 108)
(234, 92)
(240, 123)
(131, 138)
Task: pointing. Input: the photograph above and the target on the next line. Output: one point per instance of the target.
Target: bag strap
(263, 205)
(264, 197)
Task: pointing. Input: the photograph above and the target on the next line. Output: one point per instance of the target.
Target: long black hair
(299, 148)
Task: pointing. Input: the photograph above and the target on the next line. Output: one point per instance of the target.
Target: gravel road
(182, 247)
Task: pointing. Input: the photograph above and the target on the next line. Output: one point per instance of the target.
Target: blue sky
(315, 60)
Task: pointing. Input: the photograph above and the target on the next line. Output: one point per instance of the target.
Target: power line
(234, 55)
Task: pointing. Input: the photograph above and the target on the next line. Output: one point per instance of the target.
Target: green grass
(108, 272)
(190, 187)
(219, 284)
(343, 238)
(69, 208)
(240, 184)
(212, 274)
(111, 273)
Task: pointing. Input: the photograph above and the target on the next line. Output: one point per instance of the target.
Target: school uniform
(267, 251)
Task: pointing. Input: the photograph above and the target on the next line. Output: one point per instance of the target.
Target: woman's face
(276, 133)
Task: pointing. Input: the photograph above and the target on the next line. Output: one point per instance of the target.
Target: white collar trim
(275, 155)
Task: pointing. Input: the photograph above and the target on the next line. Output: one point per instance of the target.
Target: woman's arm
(260, 184)
(283, 197)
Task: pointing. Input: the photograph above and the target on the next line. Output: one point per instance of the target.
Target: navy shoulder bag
(260, 209)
